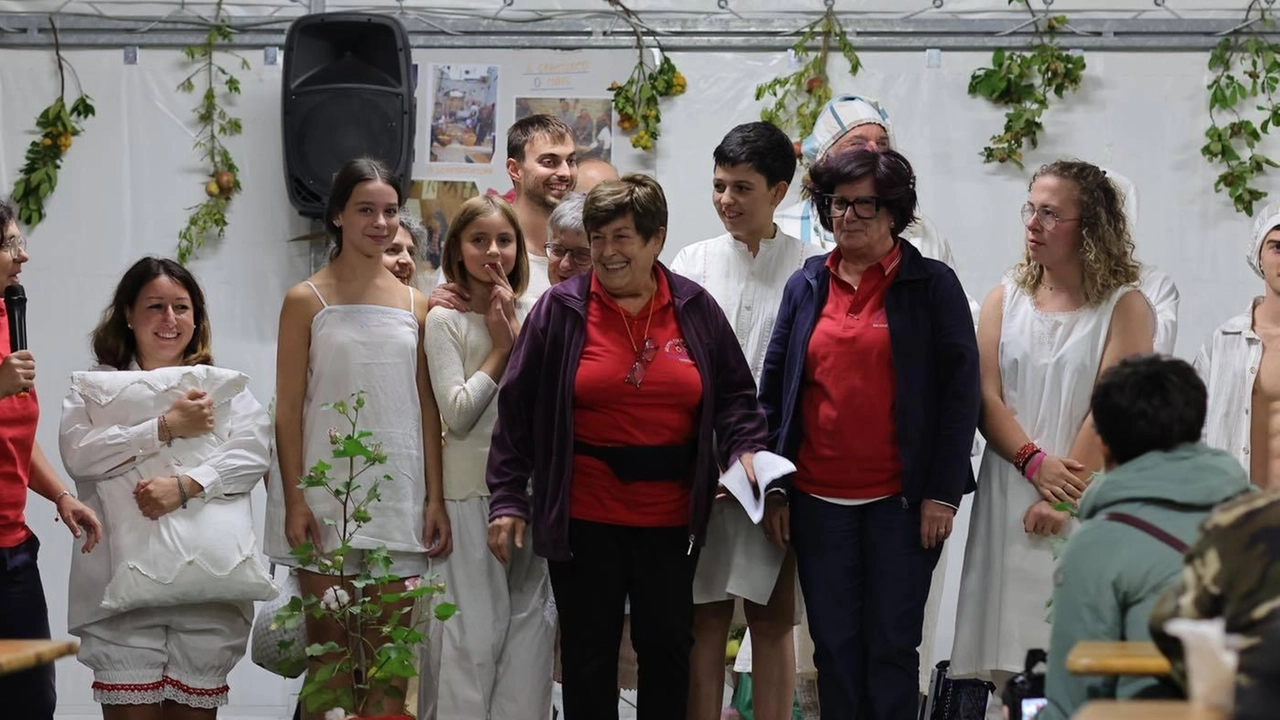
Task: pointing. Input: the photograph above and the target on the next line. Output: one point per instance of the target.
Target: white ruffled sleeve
(240, 462)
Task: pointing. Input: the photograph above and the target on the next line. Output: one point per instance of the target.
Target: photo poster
(464, 158)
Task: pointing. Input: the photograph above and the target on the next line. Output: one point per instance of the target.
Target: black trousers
(654, 568)
(29, 693)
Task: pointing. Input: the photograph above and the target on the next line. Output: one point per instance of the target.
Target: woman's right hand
(300, 525)
(1057, 481)
(191, 415)
(500, 318)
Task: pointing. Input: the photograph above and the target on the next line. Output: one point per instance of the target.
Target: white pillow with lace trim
(204, 553)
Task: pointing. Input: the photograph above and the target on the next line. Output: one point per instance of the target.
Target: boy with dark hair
(745, 270)
(1160, 483)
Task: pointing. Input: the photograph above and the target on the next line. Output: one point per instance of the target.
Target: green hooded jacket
(1111, 574)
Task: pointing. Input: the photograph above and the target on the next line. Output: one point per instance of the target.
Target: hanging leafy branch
(636, 100)
(798, 98)
(216, 124)
(56, 125)
(1023, 82)
(1246, 70)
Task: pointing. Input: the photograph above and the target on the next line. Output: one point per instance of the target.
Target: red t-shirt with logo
(663, 410)
(850, 444)
(19, 415)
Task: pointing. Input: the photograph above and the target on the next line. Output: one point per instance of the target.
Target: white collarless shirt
(748, 289)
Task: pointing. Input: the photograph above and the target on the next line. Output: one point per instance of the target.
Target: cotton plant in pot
(383, 628)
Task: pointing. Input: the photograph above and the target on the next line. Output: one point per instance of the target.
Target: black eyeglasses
(579, 256)
(863, 207)
(643, 358)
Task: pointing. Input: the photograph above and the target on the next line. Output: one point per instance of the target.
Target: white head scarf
(1268, 220)
(1130, 195)
(842, 114)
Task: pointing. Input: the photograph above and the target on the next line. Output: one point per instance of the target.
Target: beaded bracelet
(1024, 455)
(165, 433)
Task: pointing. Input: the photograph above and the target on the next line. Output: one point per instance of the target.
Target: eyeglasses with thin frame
(579, 256)
(18, 244)
(1047, 218)
(646, 355)
(863, 207)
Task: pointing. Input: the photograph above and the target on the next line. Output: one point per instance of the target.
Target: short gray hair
(567, 215)
(418, 232)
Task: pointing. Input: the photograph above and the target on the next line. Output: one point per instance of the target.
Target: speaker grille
(347, 93)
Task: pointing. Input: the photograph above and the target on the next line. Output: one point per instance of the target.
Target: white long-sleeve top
(456, 345)
(96, 455)
(747, 288)
(1228, 364)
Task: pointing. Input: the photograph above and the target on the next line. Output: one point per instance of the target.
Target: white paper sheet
(768, 467)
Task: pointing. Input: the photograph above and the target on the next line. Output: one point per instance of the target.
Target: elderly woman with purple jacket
(625, 394)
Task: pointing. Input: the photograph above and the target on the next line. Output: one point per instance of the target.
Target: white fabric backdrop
(128, 179)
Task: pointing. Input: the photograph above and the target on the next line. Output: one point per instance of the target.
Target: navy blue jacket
(935, 361)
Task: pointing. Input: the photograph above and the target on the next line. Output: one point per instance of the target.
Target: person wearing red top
(30, 693)
(625, 394)
(871, 387)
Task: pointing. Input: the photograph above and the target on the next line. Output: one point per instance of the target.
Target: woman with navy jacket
(870, 385)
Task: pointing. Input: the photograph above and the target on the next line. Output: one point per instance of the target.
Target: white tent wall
(127, 181)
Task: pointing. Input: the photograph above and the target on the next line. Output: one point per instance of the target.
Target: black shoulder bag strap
(1148, 528)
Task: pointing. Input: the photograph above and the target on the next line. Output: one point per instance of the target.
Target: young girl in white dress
(353, 327)
(1067, 312)
(495, 658)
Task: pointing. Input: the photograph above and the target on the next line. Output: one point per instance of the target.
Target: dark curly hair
(891, 173)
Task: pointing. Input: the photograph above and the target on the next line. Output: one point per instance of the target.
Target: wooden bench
(1146, 710)
(18, 655)
(1116, 658)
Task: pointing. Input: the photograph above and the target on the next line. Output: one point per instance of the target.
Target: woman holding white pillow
(165, 448)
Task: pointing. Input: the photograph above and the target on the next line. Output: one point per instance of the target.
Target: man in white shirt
(542, 163)
(1155, 284)
(1240, 363)
(745, 270)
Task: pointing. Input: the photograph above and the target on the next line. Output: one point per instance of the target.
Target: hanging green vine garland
(798, 98)
(56, 125)
(1246, 74)
(216, 124)
(636, 100)
(1023, 82)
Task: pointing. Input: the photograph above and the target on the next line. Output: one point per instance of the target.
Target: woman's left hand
(935, 523)
(748, 464)
(157, 496)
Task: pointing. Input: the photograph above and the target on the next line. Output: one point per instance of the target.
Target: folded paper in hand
(768, 467)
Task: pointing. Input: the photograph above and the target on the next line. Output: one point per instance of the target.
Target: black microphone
(15, 304)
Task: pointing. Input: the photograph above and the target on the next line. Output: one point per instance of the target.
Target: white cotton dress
(373, 348)
(1048, 365)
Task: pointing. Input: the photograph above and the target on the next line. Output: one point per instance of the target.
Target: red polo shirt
(849, 448)
(19, 415)
(609, 411)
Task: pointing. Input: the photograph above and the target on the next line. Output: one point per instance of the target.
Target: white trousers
(493, 660)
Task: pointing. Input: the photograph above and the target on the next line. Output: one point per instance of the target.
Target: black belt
(643, 463)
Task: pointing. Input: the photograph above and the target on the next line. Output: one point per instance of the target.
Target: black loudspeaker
(348, 91)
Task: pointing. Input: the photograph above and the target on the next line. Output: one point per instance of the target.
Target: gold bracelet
(166, 435)
(182, 490)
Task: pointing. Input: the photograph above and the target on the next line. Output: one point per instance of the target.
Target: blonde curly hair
(1106, 247)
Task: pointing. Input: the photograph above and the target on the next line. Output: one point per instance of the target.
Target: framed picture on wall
(464, 99)
(590, 118)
